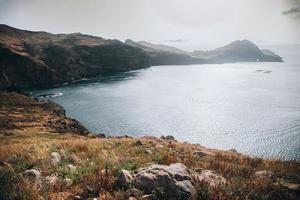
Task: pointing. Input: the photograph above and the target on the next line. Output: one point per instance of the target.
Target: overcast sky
(189, 22)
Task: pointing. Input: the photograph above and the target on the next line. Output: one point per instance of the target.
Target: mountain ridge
(40, 59)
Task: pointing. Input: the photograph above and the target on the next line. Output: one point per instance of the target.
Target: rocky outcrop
(175, 180)
(44, 115)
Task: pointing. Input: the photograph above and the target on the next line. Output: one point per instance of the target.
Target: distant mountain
(237, 51)
(165, 55)
(36, 59)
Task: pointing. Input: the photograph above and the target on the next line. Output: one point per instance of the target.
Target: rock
(211, 177)
(133, 192)
(148, 197)
(77, 197)
(33, 174)
(68, 182)
(138, 143)
(159, 146)
(71, 168)
(264, 174)
(168, 137)
(199, 154)
(149, 151)
(132, 198)
(55, 158)
(124, 178)
(101, 135)
(233, 150)
(53, 179)
(175, 179)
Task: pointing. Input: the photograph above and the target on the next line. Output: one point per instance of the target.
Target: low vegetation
(97, 161)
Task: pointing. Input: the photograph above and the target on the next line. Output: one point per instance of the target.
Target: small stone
(33, 174)
(233, 150)
(159, 146)
(55, 158)
(124, 178)
(68, 181)
(149, 151)
(138, 143)
(101, 135)
(168, 137)
(53, 179)
(264, 174)
(133, 192)
(148, 197)
(71, 168)
(199, 154)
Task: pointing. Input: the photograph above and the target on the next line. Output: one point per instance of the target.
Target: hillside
(36, 59)
(45, 155)
(39, 59)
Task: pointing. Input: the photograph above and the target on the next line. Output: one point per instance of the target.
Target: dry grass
(26, 143)
(92, 155)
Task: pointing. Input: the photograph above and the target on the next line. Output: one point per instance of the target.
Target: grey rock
(33, 174)
(55, 158)
(53, 179)
(71, 168)
(148, 197)
(264, 174)
(211, 178)
(124, 178)
(68, 182)
(175, 179)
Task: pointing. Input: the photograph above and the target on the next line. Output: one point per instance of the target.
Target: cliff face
(29, 59)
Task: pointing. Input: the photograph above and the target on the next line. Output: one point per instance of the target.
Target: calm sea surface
(251, 107)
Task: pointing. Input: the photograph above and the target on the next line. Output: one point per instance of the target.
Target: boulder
(211, 178)
(124, 178)
(174, 179)
(55, 158)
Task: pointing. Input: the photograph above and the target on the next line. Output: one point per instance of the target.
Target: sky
(176, 22)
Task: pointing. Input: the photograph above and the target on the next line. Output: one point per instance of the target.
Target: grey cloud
(295, 10)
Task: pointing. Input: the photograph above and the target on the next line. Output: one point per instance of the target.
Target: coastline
(32, 130)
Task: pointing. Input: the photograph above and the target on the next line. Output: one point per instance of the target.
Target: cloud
(294, 10)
